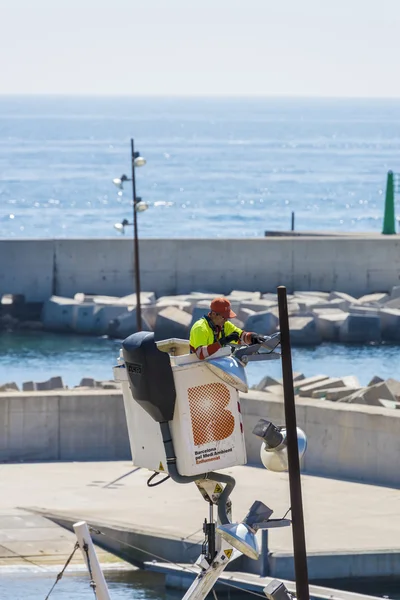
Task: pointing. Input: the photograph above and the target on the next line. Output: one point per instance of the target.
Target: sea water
(124, 584)
(215, 167)
(35, 584)
(38, 356)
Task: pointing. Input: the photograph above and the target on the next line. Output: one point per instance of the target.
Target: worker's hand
(232, 337)
(257, 339)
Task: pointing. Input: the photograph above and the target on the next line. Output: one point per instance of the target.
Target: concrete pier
(345, 441)
(357, 264)
(352, 529)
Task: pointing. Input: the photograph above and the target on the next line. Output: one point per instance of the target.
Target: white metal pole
(84, 539)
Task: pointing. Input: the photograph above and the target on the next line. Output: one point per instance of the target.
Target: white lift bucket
(207, 427)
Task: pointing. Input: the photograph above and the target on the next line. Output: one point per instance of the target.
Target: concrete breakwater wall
(344, 441)
(357, 265)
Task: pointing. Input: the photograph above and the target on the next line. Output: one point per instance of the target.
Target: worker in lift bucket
(213, 331)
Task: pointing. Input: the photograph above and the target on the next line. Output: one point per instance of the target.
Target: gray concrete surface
(63, 425)
(344, 440)
(30, 540)
(351, 529)
(40, 268)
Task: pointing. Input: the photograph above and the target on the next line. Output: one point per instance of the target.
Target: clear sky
(201, 47)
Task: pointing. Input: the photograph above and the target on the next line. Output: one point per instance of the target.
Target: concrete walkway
(351, 528)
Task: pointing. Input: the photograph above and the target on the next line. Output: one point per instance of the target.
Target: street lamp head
(119, 181)
(121, 226)
(141, 206)
(139, 161)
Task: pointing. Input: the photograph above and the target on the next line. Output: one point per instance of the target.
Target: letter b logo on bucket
(211, 421)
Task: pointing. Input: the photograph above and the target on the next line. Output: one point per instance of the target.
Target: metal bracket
(207, 578)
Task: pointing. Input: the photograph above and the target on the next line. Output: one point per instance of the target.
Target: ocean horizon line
(10, 95)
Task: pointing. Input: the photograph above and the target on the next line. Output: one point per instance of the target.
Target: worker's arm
(203, 352)
(245, 337)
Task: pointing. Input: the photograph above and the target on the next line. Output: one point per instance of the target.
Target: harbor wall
(360, 443)
(358, 265)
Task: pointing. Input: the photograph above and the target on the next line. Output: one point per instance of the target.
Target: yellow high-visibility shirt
(201, 333)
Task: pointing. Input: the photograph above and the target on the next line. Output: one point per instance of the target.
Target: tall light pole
(137, 206)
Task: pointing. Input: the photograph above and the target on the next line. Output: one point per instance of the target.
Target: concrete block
(181, 304)
(204, 304)
(206, 295)
(9, 387)
(322, 394)
(258, 305)
(125, 324)
(390, 324)
(342, 296)
(335, 394)
(130, 300)
(273, 296)
(363, 310)
(351, 381)
(303, 331)
(245, 313)
(58, 313)
(172, 322)
(323, 295)
(395, 291)
(293, 308)
(197, 313)
(265, 382)
(242, 295)
(275, 390)
(389, 403)
(166, 300)
(360, 329)
(394, 387)
(297, 376)
(325, 384)
(308, 381)
(87, 382)
(94, 318)
(370, 395)
(378, 298)
(328, 325)
(375, 380)
(377, 391)
(82, 297)
(105, 300)
(327, 312)
(12, 299)
(264, 322)
(308, 302)
(54, 383)
(337, 303)
(83, 317)
(102, 316)
(392, 303)
(28, 386)
(108, 385)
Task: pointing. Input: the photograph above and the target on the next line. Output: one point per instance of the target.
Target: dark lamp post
(137, 206)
